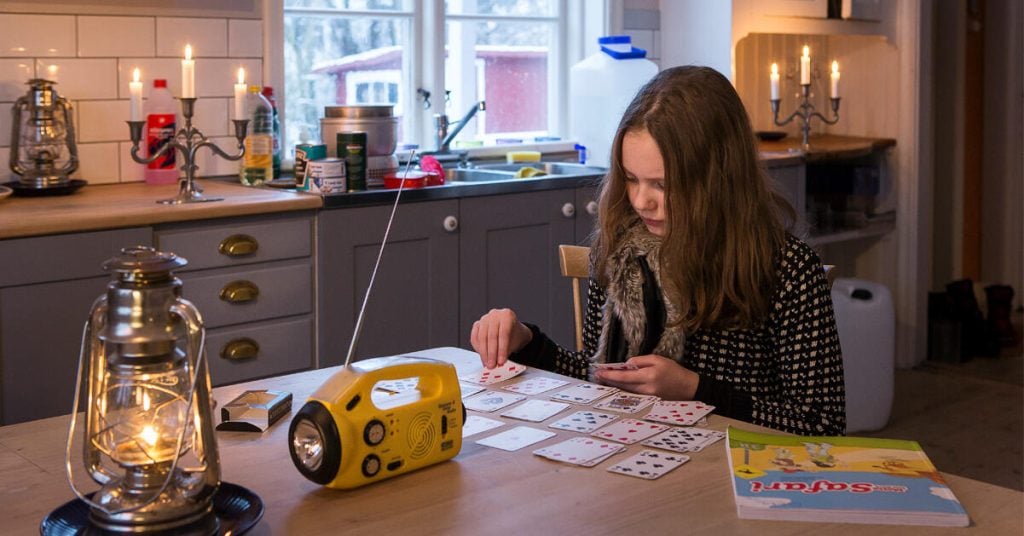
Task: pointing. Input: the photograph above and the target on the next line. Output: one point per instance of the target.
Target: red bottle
(160, 128)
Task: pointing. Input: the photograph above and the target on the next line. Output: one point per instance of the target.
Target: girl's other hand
(654, 375)
(498, 334)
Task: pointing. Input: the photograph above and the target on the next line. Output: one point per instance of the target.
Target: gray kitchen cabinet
(415, 299)
(790, 181)
(47, 288)
(508, 257)
(586, 211)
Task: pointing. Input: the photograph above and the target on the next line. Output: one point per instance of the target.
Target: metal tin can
(307, 152)
(352, 149)
(326, 176)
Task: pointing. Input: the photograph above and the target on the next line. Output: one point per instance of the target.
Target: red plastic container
(413, 179)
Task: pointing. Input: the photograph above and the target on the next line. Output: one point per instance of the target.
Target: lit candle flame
(807, 51)
(775, 68)
(188, 51)
(241, 75)
(835, 66)
(136, 75)
(149, 435)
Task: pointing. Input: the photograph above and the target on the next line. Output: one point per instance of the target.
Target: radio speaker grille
(421, 435)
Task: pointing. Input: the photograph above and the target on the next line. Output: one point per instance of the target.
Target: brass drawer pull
(240, 292)
(238, 245)
(238, 349)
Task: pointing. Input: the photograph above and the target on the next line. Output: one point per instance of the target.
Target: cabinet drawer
(245, 294)
(238, 241)
(260, 350)
(66, 256)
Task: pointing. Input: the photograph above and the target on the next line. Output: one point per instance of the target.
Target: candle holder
(188, 140)
(805, 111)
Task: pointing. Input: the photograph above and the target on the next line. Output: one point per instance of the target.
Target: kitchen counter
(824, 148)
(134, 204)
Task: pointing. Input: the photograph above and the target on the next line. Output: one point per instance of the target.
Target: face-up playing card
(629, 431)
(627, 402)
(469, 389)
(397, 386)
(649, 464)
(585, 451)
(476, 424)
(685, 439)
(516, 438)
(686, 413)
(584, 393)
(535, 385)
(497, 374)
(488, 401)
(583, 421)
(535, 410)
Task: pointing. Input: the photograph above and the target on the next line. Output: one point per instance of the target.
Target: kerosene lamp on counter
(43, 151)
(148, 430)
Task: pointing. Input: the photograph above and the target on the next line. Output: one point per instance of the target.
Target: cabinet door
(40, 338)
(509, 258)
(414, 301)
(791, 183)
(586, 213)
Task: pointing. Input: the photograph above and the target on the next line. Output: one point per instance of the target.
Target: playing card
(614, 366)
(583, 421)
(686, 413)
(476, 424)
(535, 410)
(585, 451)
(469, 389)
(684, 439)
(629, 431)
(516, 438)
(497, 374)
(627, 402)
(584, 393)
(648, 464)
(488, 401)
(535, 385)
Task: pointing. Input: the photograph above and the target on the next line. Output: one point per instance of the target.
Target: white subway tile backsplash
(5, 127)
(130, 170)
(150, 69)
(245, 38)
(211, 117)
(98, 163)
(6, 175)
(102, 121)
(217, 77)
(208, 37)
(211, 165)
(116, 36)
(81, 78)
(13, 75)
(29, 36)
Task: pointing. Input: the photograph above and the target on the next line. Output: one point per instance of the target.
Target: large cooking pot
(376, 120)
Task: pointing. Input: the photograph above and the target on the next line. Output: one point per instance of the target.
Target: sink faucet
(444, 138)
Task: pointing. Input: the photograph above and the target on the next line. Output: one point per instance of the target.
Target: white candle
(135, 93)
(240, 95)
(188, 75)
(775, 81)
(805, 67)
(835, 79)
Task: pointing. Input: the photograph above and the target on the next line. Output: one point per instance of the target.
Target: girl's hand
(496, 335)
(654, 375)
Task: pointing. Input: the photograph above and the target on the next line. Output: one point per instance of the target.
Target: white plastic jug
(867, 334)
(600, 88)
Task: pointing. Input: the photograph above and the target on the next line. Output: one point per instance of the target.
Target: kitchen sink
(506, 172)
(549, 168)
(477, 175)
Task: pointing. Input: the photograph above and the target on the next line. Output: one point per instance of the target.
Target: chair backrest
(575, 263)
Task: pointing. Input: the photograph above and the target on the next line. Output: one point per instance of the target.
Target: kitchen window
(433, 56)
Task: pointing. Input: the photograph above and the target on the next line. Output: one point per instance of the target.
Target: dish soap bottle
(258, 162)
(159, 110)
(268, 92)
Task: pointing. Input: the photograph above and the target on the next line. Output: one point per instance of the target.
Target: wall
(641, 20)
(96, 44)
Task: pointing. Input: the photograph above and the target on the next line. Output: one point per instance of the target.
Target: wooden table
(480, 491)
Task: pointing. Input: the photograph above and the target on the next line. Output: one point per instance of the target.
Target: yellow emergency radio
(348, 434)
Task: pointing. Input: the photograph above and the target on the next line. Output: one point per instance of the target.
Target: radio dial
(371, 465)
(373, 434)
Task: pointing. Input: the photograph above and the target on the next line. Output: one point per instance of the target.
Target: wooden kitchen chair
(575, 263)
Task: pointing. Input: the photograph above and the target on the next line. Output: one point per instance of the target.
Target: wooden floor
(968, 417)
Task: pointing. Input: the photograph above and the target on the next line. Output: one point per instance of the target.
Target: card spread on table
(535, 385)
(584, 451)
(488, 401)
(469, 389)
(516, 438)
(535, 410)
(686, 413)
(649, 464)
(495, 375)
(476, 424)
(584, 393)
(627, 402)
(584, 421)
(685, 439)
(629, 431)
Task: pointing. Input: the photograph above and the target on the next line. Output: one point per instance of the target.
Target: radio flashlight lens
(308, 445)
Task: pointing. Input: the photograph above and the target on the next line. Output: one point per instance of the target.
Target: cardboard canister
(325, 176)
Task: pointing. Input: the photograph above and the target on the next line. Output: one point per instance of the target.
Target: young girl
(694, 280)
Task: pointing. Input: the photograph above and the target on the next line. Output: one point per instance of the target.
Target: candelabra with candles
(188, 140)
(805, 110)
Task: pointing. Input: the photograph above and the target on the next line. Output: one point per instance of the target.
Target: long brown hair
(725, 225)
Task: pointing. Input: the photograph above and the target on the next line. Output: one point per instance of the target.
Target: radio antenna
(380, 253)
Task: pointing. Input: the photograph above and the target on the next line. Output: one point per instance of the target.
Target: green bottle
(268, 92)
